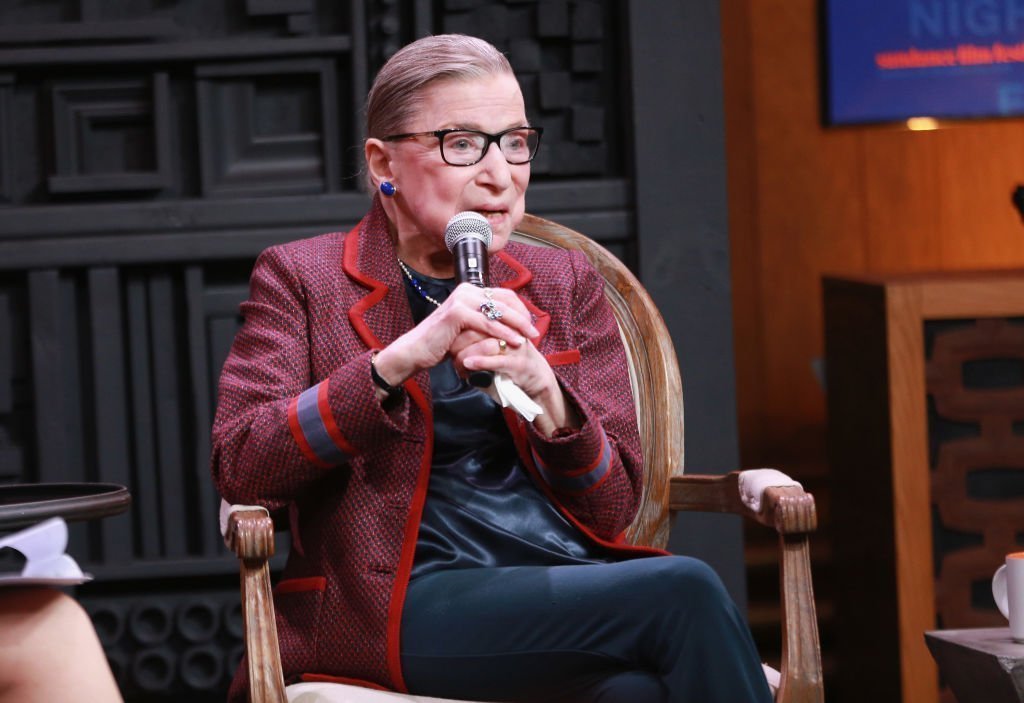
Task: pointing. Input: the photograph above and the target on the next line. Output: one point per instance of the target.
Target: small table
(24, 504)
(981, 665)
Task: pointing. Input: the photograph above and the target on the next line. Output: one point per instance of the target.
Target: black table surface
(982, 665)
(24, 504)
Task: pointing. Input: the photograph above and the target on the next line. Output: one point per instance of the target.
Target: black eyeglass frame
(491, 139)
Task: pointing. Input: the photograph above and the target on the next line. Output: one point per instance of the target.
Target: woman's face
(430, 191)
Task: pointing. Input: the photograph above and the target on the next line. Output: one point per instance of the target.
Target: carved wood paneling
(975, 377)
(110, 136)
(269, 128)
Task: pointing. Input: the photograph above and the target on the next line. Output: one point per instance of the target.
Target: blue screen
(894, 59)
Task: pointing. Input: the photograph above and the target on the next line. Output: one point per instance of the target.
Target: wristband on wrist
(378, 380)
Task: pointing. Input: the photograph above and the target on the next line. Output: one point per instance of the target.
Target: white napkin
(43, 547)
(511, 395)
(753, 482)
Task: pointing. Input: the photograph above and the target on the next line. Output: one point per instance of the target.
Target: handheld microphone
(467, 236)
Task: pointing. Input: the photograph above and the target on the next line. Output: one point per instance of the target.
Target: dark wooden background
(149, 149)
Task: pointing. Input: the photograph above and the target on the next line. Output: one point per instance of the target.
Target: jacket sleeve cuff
(573, 462)
(313, 414)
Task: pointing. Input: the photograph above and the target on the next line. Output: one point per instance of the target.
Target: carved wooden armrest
(250, 534)
(787, 509)
(790, 511)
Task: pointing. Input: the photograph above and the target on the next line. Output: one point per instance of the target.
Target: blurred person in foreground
(49, 650)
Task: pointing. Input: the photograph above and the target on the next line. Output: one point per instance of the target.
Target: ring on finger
(488, 293)
(490, 310)
(502, 346)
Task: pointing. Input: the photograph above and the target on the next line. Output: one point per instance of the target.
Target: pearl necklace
(416, 284)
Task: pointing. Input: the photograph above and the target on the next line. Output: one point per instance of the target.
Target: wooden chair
(657, 389)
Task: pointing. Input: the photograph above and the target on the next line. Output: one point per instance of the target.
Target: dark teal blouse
(483, 507)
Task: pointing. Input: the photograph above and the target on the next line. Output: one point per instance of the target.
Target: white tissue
(753, 483)
(511, 395)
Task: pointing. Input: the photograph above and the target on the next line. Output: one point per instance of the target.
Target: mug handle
(999, 591)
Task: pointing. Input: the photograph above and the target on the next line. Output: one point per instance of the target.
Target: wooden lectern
(925, 381)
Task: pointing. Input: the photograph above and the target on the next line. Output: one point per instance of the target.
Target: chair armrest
(787, 509)
(250, 534)
(790, 511)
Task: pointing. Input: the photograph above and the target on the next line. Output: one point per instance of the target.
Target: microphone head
(467, 224)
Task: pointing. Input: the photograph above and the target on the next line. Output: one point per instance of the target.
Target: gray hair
(399, 84)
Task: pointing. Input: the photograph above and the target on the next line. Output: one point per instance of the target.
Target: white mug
(1008, 591)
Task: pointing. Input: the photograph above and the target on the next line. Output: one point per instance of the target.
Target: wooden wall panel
(804, 217)
(807, 200)
(900, 183)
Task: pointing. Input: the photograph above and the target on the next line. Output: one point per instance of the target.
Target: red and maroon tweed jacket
(298, 426)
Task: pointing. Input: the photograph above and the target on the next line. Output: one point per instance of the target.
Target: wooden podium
(925, 380)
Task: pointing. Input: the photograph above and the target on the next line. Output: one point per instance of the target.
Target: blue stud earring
(388, 188)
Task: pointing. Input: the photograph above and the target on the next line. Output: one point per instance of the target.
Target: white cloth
(511, 395)
(43, 546)
(226, 509)
(754, 481)
(774, 679)
(342, 693)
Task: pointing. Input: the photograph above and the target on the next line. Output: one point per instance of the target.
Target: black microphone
(467, 236)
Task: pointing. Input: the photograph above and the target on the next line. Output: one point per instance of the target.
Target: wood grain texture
(802, 679)
(915, 582)
(807, 199)
(790, 511)
(251, 536)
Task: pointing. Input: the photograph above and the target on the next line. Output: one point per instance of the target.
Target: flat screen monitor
(892, 60)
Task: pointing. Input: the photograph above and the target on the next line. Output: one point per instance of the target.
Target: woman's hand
(462, 330)
(523, 364)
(528, 369)
(456, 324)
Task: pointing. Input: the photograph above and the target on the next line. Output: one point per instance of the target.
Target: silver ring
(490, 310)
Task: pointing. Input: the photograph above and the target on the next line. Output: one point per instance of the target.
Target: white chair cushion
(342, 693)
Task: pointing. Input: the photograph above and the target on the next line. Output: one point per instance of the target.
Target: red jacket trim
(310, 583)
(563, 358)
(581, 480)
(541, 319)
(323, 405)
(412, 528)
(350, 264)
(300, 438)
(313, 427)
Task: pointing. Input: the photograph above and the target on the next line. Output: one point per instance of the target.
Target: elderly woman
(441, 545)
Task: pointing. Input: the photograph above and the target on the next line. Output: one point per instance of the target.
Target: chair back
(653, 372)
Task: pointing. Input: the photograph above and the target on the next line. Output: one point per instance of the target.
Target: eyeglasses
(465, 147)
